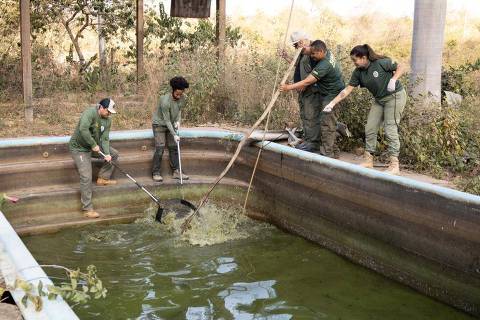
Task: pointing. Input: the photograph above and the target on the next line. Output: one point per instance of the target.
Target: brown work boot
(105, 182)
(368, 160)
(394, 167)
(91, 214)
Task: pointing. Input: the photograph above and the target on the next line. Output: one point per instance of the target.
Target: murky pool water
(254, 271)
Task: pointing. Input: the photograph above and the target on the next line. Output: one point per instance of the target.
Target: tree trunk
(427, 48)
(101, 43)
(74, 40)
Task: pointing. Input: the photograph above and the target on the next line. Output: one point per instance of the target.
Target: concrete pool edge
(17, 262)
(193, 133)
(282, 166)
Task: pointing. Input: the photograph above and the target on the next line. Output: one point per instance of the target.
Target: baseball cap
(108, 104)
(296, 36)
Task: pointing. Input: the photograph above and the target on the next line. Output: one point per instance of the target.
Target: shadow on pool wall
(424, 236)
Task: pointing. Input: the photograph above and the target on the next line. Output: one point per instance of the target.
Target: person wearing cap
(165, 125)
(308, 98)
(327, 76)
(91, 136)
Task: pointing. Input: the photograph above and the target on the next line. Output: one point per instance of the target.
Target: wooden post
(26, 59)
(220, 30)
(139, 40)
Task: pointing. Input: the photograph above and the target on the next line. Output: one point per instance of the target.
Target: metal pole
(180, 162)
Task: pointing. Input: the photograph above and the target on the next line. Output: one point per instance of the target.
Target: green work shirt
(376, 77)
(91, 130)
(168, 111)
(305, 67)
(329, 76)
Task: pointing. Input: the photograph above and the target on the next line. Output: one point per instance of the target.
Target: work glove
(176, 138)
(329, 107)
(391, 85)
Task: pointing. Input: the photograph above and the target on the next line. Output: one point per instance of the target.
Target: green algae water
(225, 267)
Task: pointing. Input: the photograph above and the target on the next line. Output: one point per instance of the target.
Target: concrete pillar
(427, 48)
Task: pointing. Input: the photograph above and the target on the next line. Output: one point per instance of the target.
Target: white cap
(296, 36)
(108, 104)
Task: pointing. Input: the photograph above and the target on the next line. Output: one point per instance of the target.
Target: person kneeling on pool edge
(165, 125)
(91, 136)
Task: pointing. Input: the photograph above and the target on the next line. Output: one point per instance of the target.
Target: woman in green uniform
(379, 74)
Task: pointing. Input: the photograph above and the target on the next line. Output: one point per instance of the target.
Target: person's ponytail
(372, 55)
(366, 51)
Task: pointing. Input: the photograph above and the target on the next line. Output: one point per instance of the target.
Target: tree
(427, 48)
(177, 33)
(76, 16)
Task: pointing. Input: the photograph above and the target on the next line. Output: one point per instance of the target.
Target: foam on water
(215, 223)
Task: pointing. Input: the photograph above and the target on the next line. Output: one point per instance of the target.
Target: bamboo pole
(242, 143)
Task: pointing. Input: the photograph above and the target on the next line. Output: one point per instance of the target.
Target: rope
(269, 113)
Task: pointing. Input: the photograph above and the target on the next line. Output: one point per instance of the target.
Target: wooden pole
(140, 34)
(220, 29)
(26, 59)
(242, 143)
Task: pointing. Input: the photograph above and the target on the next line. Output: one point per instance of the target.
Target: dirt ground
(352, 158)
(58, 115)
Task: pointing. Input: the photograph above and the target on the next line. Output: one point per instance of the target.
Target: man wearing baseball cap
(308, 99)
(92, 135)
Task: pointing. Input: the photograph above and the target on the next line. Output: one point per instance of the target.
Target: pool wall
(422, 235)
(16, 262)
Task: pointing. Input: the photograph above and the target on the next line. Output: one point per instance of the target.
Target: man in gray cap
(91, 136)
(320, 132)
(308, 99)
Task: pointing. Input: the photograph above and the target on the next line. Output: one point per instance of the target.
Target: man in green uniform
(91, 136)
(165, 125)
(308, 97)
(326, 76)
